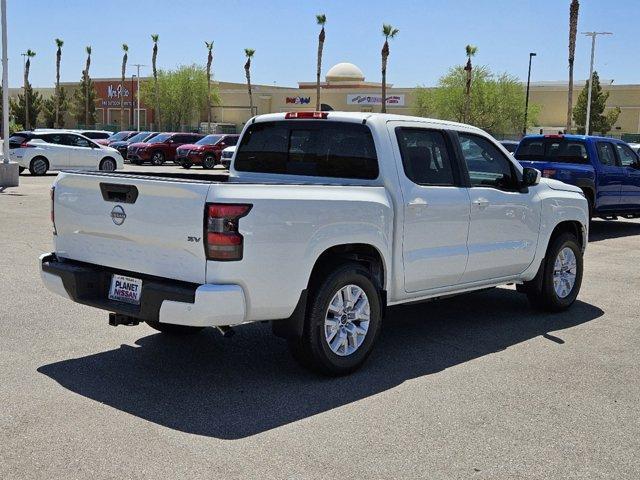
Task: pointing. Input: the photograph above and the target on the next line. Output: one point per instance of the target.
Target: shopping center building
(345, 88)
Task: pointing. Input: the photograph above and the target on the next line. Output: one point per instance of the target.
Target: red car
(160, 148)
(205, 152)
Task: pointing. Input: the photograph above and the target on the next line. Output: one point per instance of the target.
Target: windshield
(209, 140)
(118, 136)
(159, 138)
(548, 149)
(139, 137)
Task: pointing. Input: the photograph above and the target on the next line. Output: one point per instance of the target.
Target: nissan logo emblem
(117, 215)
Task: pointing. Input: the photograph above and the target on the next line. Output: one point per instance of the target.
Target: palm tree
(573, 30)
(209, 46)
(154, 57)
(29, 54)
(321, 20)
(59, 44)
(86, 86)
(247, 71)
(389, 32)
(470, 50)
(125, 56)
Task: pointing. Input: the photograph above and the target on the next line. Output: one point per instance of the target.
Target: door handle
(418, 202)
(481, 202)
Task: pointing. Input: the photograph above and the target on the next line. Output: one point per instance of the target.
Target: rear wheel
(172, 329)
(558, 281)
(343, 320)
(39, 166)
(157, 158)
(108, 165)
(209, 162)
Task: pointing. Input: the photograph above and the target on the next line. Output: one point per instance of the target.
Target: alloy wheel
(347, 320)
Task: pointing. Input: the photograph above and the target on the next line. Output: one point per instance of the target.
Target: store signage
(365, 99)
(111, 94)
(298, 100)
(117, 92)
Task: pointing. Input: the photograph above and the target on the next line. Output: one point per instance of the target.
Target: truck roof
(570, 136)
(360, 117)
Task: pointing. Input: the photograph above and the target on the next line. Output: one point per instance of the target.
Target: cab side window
(626, 155)
(78, 141)
(606, 154)
(486, 164)
(425, 156)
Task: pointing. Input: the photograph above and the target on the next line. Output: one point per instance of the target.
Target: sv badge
(193, 239)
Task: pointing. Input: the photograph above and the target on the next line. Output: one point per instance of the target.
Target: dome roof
(344, 72)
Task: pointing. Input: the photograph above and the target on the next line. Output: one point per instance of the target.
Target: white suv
(43, 151)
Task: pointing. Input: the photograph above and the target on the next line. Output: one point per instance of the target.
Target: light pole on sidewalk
(593, 36)
(138, 95)
(526, 102)
(9, 173)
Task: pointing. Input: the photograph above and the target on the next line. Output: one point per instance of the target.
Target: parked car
(160, 148)
(117, 137)
(95, 134)
(226, 156)
(635, 147)
(206, 151)
(122, 145)
(325, 219)
(41, 152)
(510, 145)
(606, 169)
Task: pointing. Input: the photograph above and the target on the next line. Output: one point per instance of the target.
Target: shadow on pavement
(604, 230)
(234, 388)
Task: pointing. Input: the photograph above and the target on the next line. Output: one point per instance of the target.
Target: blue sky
(432, 37)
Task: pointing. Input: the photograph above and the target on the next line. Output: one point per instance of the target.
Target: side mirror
(530, 177)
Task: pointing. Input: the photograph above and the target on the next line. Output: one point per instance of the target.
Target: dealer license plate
(125, 289)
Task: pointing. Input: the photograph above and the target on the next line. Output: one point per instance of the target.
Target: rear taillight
(302, 115)
(548, 173)
(223, 240)
(53, 211)
(26, 145)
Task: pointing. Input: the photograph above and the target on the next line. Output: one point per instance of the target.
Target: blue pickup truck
(606, 169)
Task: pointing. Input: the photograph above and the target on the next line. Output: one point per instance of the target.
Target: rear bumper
(162, 299)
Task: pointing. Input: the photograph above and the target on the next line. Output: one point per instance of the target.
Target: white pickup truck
(324, 220)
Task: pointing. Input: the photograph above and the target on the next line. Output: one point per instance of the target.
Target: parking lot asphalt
(477, 386)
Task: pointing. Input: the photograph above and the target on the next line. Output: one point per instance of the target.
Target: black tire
(172, 329)
(108, 164)
(312, 350)
(209, 162)
(39, 166)
(186, 164)
(21, 169)
(157, 158)
(540, 291)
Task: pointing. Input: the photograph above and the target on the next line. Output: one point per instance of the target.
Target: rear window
(561, 150)
(311, 148)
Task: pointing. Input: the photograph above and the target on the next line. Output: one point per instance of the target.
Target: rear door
(610, 177)
(630, 191)
(141, 225)
(435, 206)
(505, 220)
(58, 153)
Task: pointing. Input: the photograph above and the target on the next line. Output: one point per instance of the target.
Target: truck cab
(606, 169)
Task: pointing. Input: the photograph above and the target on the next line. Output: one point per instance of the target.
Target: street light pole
(526, 102)
(593, 36)
(9, 173)
(138, 65)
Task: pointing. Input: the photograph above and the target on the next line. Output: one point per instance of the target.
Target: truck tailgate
(146, 225)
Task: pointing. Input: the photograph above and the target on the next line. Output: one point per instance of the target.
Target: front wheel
(157, 159)
(344, 317)
(558, 281)
(186, 164)
(172, 329)
(108, 165)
